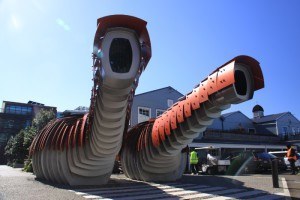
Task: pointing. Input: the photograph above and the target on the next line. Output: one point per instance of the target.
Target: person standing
(194, 162)
(291, 156)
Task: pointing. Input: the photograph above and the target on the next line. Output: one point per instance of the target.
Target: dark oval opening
(120, 55)
(240, 82)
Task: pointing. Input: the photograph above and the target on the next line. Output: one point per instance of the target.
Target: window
(144, 111)
(293, 130)
(251, 130)
(120, 55)
(23, 110)
(170, 102)
(159, 112)
(284, 130)
(144, 114)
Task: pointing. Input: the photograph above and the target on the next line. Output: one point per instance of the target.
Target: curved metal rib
(153, 150)
(81, 150)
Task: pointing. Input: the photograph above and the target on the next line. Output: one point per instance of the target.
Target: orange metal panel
(255, 69)
(225, 76)
(173, 117)
(187, 110)
(155, 137)
(179, 112)
(211, 85)
(203, 92)
(126, 21)
(161, 128)
(194, 99)
(167, 122)
(253, 66)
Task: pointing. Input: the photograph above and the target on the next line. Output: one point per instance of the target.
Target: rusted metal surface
(80, 149)
(60, 134)
(60, 131)
(221, 78)
(153, 151)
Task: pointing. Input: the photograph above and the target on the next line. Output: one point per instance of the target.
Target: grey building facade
(235, 128)
(15, 116)
(152, 104)
(284, 125)
(233, 122)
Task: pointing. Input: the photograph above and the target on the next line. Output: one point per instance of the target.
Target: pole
(275, 173)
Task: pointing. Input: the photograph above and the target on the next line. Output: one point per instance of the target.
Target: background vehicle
(282, 154)
(211, 161)
(251, 161)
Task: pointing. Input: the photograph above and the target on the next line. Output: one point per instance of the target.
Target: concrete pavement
(15, 184)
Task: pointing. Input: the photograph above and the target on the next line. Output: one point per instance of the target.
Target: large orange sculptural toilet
(81, 149)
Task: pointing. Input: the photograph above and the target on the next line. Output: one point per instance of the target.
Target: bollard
(275, 173)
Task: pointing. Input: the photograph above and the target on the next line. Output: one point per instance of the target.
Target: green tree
(29, 134)
(8, 151)
(17, 148)
(38, 123)
(42, 119)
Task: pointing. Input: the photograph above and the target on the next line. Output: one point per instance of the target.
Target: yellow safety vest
(193, 157)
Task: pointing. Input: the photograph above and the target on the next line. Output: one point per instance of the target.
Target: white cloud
(63, 24)
(15, 22)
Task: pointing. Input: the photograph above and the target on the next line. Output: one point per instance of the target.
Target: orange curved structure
(81, 149)
(221, 78)
(153, 150)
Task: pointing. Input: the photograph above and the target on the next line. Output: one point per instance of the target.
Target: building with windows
(284, 125)
(15, 116)
(152, 104)
(230, 130)
(233, 122)
(236, 131)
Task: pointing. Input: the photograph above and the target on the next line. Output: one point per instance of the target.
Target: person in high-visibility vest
(292, 158)
(194, 162)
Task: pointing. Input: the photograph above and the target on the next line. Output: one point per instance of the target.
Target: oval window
(120, 55)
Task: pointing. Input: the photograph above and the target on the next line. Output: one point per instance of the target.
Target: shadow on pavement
(188, 185)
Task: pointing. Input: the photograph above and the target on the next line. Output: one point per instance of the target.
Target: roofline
(157, 90)
(13, 102)
(235, 112)
(231, 113)
(281, 115)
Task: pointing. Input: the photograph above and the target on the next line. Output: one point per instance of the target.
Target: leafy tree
(42, 119)
(29, 134)
(38, 123)
(17, 148)
(8, 151)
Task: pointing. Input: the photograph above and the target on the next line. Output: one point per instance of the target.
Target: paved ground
(15, 184)
(293, 182)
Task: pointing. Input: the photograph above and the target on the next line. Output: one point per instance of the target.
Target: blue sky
(46, 45)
